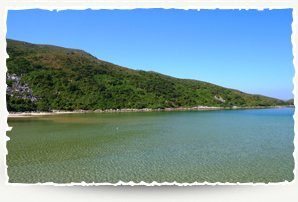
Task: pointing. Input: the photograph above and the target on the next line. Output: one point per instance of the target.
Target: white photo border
(269, 192)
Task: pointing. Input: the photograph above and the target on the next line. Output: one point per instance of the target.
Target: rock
(22, 90)
(219, 98)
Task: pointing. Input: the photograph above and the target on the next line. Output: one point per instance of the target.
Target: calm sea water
(251, 145)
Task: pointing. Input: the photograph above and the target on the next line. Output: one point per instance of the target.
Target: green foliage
(289, 102)
(19, 104)
(9, 82)
(69, 79)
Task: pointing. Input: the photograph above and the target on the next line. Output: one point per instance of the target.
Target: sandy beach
(34, 114)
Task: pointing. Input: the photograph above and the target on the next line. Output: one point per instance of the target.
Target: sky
(247, 50)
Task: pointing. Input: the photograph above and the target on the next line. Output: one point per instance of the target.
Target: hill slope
(61, 78)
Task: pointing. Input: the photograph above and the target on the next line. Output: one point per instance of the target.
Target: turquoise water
(251, 145)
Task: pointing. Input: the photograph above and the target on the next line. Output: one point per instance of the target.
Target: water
(251, 145)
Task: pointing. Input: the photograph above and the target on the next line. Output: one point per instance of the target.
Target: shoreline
(199, 108)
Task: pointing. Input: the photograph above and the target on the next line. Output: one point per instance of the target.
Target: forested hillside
(70, 79)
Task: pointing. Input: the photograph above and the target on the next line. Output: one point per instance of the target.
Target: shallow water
(251, 145)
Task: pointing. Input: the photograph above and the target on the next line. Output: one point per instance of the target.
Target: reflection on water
(253, 145)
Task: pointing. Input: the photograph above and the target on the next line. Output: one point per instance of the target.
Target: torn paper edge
(123, 7)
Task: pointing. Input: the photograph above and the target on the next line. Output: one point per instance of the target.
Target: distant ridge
(72, 79)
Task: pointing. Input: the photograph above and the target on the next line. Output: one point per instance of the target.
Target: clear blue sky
(248, 50)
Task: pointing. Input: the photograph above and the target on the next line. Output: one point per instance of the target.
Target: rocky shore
(32, 113)
(19, 89)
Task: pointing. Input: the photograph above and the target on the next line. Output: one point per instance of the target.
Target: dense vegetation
(69, 79)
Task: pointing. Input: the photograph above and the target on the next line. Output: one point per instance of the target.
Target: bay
(247, 145)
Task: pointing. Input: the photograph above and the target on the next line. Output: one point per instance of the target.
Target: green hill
(69, 79)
